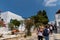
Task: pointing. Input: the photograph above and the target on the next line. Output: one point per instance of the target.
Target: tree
(40, 18)
(15, 22)
(28, 26)
(10, 26)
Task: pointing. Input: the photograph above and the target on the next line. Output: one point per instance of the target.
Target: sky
(27, 8)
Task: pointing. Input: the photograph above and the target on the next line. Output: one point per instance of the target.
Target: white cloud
(50, 2)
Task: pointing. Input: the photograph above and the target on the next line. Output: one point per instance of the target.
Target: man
(46, 33)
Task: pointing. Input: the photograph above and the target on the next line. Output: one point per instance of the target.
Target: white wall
(7, 16)
(57, 20)
(22, 27)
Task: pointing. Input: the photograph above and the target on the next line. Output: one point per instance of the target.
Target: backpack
(45, 32)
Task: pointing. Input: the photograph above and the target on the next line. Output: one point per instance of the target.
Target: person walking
(40, 33)
(51, 29)
(46, 33)
(55, 28)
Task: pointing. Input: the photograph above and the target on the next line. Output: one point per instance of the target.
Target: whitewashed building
(51, 22)
(7, 16)
(57, 19)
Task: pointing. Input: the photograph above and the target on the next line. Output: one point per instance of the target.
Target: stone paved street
(33, 37)
(51, 37)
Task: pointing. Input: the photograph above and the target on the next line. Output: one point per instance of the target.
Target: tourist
(55, 28)
(40, 33)
(51, 29)
(46, 33)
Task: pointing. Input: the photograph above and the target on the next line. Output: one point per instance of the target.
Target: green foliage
(14, 24)
(11, 26)
(0, 25)
(40, 18)
(28, 27)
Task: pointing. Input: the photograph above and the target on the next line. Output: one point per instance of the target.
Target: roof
(58, 12)
(11, 15)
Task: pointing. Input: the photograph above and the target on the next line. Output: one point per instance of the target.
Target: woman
(40, 33)
(51, 29)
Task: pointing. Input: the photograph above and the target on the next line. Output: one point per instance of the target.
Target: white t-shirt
(40, 34)
(48, 30)
(51, 27)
